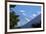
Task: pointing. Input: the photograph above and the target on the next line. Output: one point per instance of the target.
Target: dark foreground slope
(34, 23)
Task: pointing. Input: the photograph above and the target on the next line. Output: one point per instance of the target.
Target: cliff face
(35, 21)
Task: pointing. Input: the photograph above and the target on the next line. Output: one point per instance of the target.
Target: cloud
(22, 11)
(24, 14)
(34, 15)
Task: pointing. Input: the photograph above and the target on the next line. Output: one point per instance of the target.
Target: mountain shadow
(34, 23)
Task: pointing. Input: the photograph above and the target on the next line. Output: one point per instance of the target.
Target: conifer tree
(13, 18)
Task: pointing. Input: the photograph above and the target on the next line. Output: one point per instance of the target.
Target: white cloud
(24, 14)
(34, 15)
(22, 11)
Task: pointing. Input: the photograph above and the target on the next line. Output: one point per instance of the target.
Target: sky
(26, 13)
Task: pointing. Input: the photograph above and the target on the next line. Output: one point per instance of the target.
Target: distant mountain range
(33, 21)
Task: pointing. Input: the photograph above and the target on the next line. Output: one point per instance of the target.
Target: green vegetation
(13, 18)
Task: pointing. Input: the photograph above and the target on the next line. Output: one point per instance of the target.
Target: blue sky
(26, 13)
